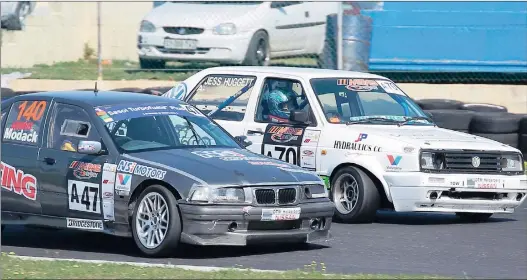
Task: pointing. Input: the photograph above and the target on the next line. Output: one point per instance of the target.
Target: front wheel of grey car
(355, 196)
(156, 223)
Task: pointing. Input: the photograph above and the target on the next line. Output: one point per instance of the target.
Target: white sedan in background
(248, 33)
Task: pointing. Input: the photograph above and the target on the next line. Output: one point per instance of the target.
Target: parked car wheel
(151, 64)
(156, 223)
(258, 51)
(474, 217)
(355, 196)
(18, 19)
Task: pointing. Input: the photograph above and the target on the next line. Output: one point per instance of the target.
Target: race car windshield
(366, 101)
(163, 129)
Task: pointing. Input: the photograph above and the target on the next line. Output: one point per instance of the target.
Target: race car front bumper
(244, 225)
(474, 193)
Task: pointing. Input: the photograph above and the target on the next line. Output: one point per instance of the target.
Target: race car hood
(202, 15)
(429, 137)
(246, 169)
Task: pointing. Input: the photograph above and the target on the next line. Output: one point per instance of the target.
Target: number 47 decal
(89, 198)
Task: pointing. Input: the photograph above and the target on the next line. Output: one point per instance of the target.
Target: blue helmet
(277, 102)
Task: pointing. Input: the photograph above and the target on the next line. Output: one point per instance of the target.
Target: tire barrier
(523, 136)
(483, 107)
(458, 120)
(439, 104)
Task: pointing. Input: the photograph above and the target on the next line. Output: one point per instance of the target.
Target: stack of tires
(485, 120)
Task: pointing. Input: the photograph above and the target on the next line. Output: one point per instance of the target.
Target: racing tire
(439, 104)
(258, 51)
(511, 139)
(474, 217)
(458, 120)
(149, 64)
(368, 199)
(495, 123)
(172, 237)
(483, 107)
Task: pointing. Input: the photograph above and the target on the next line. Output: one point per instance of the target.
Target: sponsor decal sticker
(311, 136)
(227, 81)
(358, 84)
(394, 162)
(108, 189)
(15, 180)
(103, 115)
(226, 155)
(124, 182)
(344, 145)
(390, 87)
(85, 224)
(284, 134)
(85, 170)
(24, 121)
(140, 170)
(361, 137)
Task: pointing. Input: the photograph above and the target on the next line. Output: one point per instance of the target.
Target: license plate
(179, 44)
(485, 183)
(280, 214)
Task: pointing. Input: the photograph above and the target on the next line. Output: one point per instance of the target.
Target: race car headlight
(511, 162)
(225, 29)
(217, 195)
(432, 161)
(147, 26)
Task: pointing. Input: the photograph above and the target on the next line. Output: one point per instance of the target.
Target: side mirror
(89, 147)
(299, 117)
(243, 141)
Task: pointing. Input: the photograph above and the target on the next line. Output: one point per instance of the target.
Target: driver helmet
(278, 103)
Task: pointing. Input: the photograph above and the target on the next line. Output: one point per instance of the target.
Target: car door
(294, 143)
(289, 32)
(226, 97)
(75, 185)
(22, 129)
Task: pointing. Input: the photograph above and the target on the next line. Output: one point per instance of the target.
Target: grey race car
(153, 168)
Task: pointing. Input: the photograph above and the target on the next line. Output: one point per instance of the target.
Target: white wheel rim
(152, 220)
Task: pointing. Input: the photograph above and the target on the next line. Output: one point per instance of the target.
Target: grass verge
(128, 70)
(16, 268)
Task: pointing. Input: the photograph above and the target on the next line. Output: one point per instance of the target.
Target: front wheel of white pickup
(355, 196)
(156, 225)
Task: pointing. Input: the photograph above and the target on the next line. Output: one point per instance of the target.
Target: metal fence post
(99, 56)
(339, 36)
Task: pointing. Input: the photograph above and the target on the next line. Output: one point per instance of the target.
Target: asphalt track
(396, 243)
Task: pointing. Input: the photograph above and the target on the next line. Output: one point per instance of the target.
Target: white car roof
(294, 71)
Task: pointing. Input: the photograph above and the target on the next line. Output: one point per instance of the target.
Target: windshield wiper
(414, 119)
(198, 138)
(368, 120)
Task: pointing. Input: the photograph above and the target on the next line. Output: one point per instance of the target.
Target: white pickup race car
(369, 141)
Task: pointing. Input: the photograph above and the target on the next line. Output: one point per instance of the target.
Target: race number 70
(284, 153)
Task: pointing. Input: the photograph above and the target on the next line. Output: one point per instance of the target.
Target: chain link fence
(169, 41)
